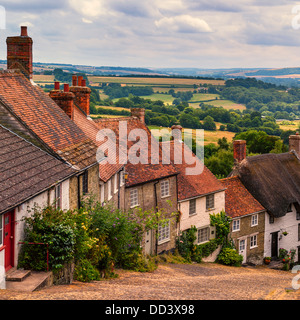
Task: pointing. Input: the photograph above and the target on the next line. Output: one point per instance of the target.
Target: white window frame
(208, 200)
(122, 178)
(165, 188)
(164, 232)
(1, 230)
(58, 196)
(109, 196)
(102, 187)
(134, 198)
(207, 229)
(236, 224)
(195, 207)
(254, 220)
(253, 241)
(116, 183)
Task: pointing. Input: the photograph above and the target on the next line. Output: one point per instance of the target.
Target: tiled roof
(90, 128)
(141, 172)
(25, 170)
(238, 200)
(192, 185)
(41, 115)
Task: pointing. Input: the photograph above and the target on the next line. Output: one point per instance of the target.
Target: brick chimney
(139, 113)
(294, 143)
(177, 132)
(19, 53)
(239, 150)
(64, 99)
(82, 93)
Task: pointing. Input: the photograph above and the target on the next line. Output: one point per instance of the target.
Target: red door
(8, 240)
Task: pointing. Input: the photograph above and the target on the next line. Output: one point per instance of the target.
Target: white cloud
(84, 20)
(183, 24)
(89, 8)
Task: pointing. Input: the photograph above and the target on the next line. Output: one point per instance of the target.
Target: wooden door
(274, 244)
(148, 242)
(243, 249)
(8, 240)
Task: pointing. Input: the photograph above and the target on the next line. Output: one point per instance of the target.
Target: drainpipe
(155, 199)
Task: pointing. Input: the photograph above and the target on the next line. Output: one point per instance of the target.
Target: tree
(209, 124)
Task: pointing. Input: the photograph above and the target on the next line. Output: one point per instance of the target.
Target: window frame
(253, 241)
(131, 197)
(208, 200)
(116, 183)
(207, 229)
(195, 207)
(163, 188)
(58, 195)
(164, 232)
(109, 189)
(234, 222)
(85, 182)
(254, 220)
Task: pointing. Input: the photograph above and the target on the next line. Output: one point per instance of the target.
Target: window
(1, 230)
(298, 236)
(242, 245)
(164, 232)
(236, 225)
(109, 196)
(58, 196)
(85, 182)
(134, 198)
(192, 206)
(102, 193)
(164, 188)
(254, 220)
(210, 202)
(203, 235)
(298, 215)
(115, 183)
(253, 241)
(122, 178)
(271, 219)
(290, 208)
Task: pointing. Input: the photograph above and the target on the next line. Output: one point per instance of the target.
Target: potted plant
(267, 260)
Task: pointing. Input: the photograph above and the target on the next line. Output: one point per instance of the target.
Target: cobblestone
(205, 281)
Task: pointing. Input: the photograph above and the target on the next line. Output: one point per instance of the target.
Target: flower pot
(267, 261)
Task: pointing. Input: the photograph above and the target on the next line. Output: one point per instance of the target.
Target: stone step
(35, 281)
(17, 275)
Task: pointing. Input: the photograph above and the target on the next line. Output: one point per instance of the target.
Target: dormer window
(290, 208)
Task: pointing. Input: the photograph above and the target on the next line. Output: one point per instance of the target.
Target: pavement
(204, 281)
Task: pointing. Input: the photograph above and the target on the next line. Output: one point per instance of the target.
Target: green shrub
(229, 256)
(85, 271)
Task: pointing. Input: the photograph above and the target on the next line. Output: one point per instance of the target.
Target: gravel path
(205, 281)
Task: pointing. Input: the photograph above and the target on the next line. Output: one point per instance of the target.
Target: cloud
(183, 24)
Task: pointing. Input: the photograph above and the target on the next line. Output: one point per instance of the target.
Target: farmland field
(43, 79)
(209, 136)
(288, 125)
(154, 81)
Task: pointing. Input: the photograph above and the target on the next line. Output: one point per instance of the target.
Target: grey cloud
(33, 5)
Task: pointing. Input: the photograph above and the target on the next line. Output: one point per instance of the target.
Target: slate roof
(25, 170)
(200, 183)
(41, 116)
(141, 172)
(273, 179)
(238, 200)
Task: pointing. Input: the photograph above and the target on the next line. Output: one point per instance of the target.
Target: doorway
(274, 244)
(8, 239)
(148, 242)
(243, 249)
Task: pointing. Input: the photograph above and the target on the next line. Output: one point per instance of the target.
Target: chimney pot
(294, 143)
(74, 81)
(80, 78)
(83, 83)
(66, 87)
(56, 85)
(24, 31)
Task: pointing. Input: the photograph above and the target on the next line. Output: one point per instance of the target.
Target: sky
(158, 33)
